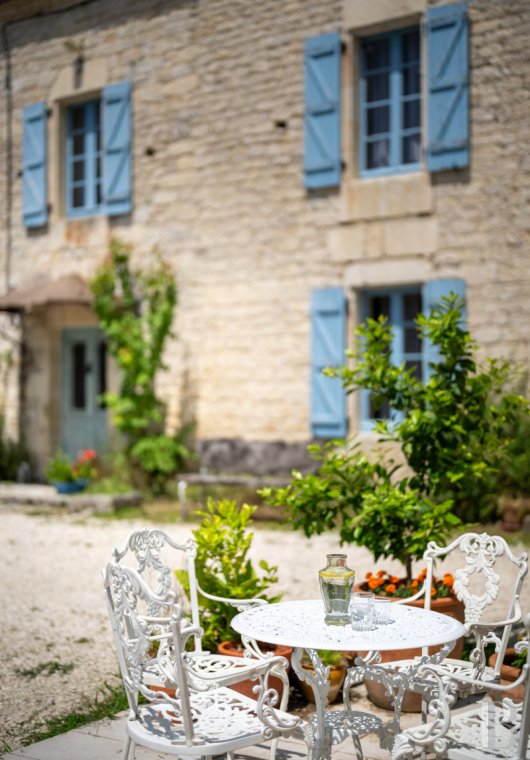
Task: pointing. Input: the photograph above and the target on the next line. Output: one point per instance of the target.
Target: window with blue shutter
(328, 336)
(401, 308)
(98, 154)
(322, 141)
(448, 86)
(117, 174)
(34, 166)
(390, 103)
(433, 292)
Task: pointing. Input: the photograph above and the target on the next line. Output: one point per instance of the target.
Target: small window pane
(412, 340)
(411, 145)
(377, 53)
(377, 87)
(378, 120)
(416, 368)
(379, 412)
(411, 306)
(78, 376)
(78, 197)
(379, 305)
(411, 80)
(410, 47)
(102, 372)
(378, 154)
(411, 114)
(78, 145)
(78, 172)
(78, 118)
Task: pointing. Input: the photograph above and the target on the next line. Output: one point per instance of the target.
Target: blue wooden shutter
(34, 166)
(432, 294)
(448, 84)
(328, 332)
(117, 189)
(322, 154)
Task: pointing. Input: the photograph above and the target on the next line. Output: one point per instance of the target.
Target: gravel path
(53, 608)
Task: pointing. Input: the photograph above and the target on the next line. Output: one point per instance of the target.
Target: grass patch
(46, 668)
(109, 701)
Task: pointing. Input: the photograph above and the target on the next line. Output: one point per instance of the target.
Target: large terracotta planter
(411, 701)
(234, 649)
(337, 674)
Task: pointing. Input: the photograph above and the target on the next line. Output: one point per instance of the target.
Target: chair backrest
(130, 603)
(156, 554)
(479, 553)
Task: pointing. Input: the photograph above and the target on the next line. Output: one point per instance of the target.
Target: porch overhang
(70, 289)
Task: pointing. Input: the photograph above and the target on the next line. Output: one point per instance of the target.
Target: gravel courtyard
(53, 616)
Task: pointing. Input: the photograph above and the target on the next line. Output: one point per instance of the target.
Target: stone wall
(217, 157)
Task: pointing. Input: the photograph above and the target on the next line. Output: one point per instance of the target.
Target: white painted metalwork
(486, 731)
(480, 553)
(200, 718)
(301, 624)
(156, 556)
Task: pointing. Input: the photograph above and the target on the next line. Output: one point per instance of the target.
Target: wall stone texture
(218, 191)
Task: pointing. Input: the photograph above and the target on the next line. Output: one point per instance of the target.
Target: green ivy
(135, 310)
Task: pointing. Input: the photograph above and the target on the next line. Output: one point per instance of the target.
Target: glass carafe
(336, 586)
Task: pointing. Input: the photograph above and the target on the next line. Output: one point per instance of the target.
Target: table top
(301, 624)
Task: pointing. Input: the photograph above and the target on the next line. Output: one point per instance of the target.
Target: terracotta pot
(411, 701)
(337, 674)
(509, 674)
(234, 649)
(513, 510)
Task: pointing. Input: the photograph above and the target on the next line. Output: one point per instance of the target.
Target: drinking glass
(382, 614)
(362, 610)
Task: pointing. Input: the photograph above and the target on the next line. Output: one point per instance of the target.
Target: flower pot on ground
(338, 666)
(69, 476)
(234, 648)
(443, 601)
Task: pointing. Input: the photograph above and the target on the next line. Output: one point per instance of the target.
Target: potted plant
(514, 660)
(224, 569)
(69, 476)
(450, 431)
(338, 665)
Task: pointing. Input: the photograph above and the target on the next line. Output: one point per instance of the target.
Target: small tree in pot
(451, 429)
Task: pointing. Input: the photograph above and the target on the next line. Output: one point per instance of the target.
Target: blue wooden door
(83, 414)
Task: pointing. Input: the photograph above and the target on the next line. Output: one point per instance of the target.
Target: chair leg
(127, 746)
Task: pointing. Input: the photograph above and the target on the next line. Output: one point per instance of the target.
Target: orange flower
(380, 573)
(374, 583)
(448, 580)
(414, 584)
(394, 579)
(368, 576)
(390, 588)
(433, 591)
(422, 574)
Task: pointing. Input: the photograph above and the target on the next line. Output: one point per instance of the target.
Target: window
(390, 102)
(83, 159)
(401, 307)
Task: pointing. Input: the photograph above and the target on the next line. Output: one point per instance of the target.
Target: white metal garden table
(300, 624)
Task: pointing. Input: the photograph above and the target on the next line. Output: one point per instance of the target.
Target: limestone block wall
(217, 163)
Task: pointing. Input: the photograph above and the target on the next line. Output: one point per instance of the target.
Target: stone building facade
(217, 106)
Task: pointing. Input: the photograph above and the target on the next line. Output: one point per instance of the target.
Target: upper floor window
(390, 102)
(83, 159)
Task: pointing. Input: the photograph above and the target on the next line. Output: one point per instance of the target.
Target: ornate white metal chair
(199, 719)
(486, 731)
(480, 552)
(156, 556)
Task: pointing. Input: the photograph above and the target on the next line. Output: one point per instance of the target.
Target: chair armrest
(484, 628)
(239, 604)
